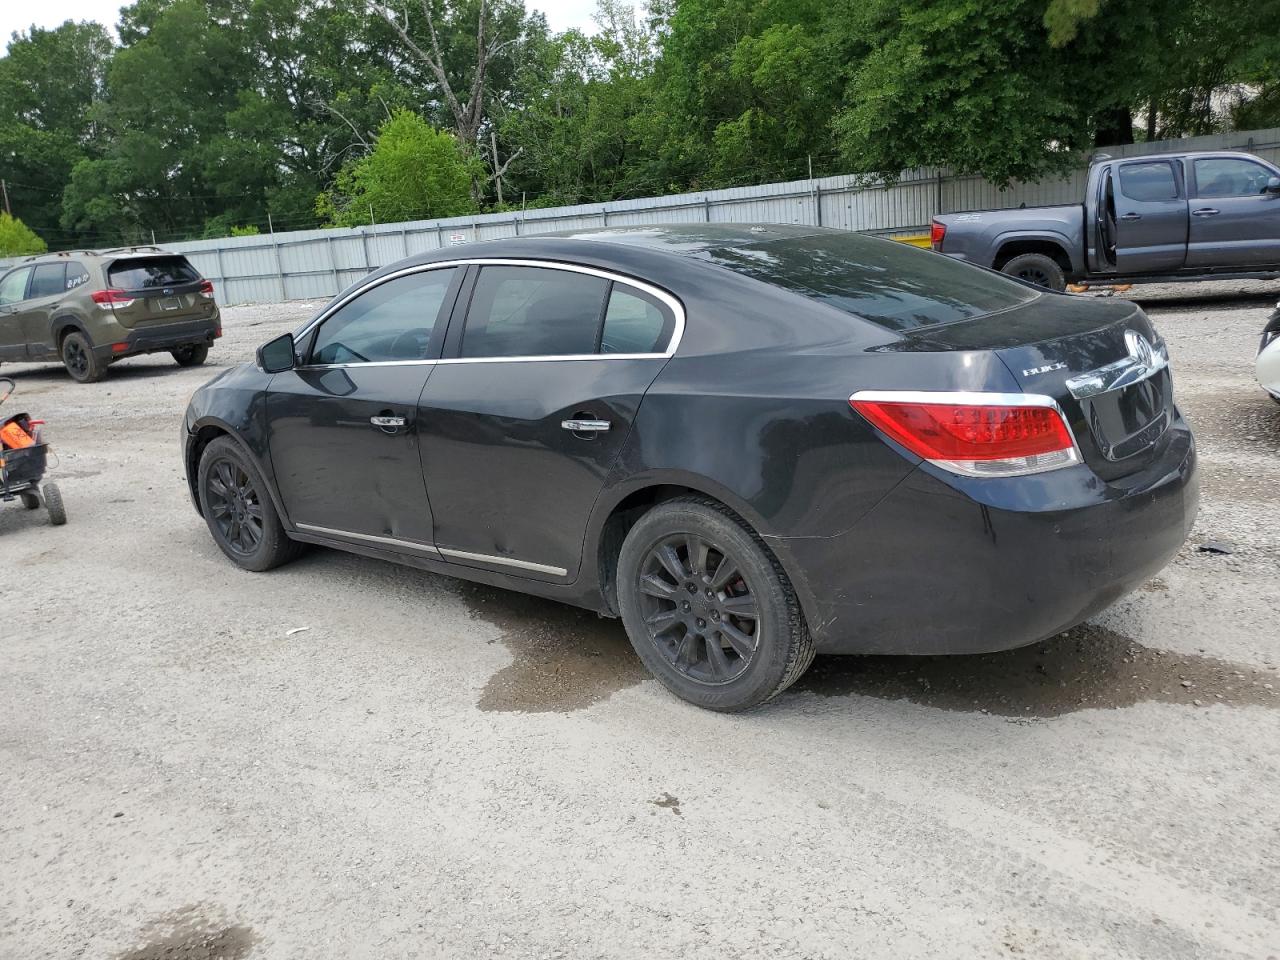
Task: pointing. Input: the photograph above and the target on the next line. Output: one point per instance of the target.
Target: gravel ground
(433, 769)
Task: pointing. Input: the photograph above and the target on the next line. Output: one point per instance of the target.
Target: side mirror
(276, 356)
(1273, 185)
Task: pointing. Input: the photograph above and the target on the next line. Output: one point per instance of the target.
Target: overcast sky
(17, 15)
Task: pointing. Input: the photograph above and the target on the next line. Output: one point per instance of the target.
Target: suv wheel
(192, 355)
(239, 511)
(78, 358)
(708, 609)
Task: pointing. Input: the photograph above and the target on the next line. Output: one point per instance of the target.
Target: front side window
(48, 280)
(1218, 177)
(533, 312)
(13, 287)
(1147, 182)
(393, 321)
(635, 322)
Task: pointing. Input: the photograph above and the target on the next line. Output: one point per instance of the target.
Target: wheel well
(624, 516)
(204, 436)
(1016, 248)
(64, 327)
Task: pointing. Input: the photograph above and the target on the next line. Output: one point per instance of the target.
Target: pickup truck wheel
(1038, 269)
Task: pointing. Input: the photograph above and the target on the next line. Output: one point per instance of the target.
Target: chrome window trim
(672, 303)
(978, 398)
(505, 562)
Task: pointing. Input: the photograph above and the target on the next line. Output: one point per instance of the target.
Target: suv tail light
(106, 299)
(936, 232)
(975, 434)
(206, 287)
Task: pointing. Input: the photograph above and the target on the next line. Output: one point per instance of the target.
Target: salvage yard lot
(434, 768)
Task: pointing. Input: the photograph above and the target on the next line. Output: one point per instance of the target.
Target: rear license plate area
(170, 303)
(1127, 421)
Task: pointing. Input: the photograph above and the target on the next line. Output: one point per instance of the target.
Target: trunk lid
(157, 289)
(1102, 362)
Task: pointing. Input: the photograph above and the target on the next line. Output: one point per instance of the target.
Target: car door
(522, 420)
(342, 425)
(1151, 217)
(48, 287)
(1235, 218)
(13, 291)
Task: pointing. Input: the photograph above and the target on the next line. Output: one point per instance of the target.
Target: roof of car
(111, 252)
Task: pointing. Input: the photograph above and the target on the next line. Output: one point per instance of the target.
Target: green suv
(88, 308)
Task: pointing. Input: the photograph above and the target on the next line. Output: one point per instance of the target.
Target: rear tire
(79, 359)
(1037, 268)
(192, 355)
(708, 609)
(238, 509)
(53, 503)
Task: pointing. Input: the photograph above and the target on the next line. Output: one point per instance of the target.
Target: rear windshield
(892, 285)
(139, 273)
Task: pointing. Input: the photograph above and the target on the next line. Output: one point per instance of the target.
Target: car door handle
(1205, 212)
(385, 423)
(1131, 217)
(586, 426)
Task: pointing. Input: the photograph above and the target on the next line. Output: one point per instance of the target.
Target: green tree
(49, 81)
(17, 238)
(414, 172)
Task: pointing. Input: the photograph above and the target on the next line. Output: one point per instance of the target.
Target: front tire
(192, 355)
(238, 509)
(79, 359)
(708, 609)
(1037, 268)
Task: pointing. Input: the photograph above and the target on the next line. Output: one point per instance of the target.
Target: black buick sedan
(750, 443)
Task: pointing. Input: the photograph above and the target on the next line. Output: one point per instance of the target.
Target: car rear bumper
(944, 565)
(161, 337)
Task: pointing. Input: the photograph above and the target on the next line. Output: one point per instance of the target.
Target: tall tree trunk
(1152, 113)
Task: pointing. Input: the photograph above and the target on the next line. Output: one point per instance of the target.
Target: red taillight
(206, 287)
(980, 435)
(107, 299)
(936, 232)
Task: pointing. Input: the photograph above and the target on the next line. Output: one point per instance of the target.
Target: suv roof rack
(63, 253)
(134, 249)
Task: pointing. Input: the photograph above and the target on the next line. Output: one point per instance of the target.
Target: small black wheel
(708, 609)
(29, 500)
(1038, 269)
(53, 503)
(192, 355)
(239, 511)
(78, 358)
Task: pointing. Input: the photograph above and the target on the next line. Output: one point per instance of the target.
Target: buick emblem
(1139, 348)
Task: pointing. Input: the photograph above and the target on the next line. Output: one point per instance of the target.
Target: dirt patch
(565, 658)
(668, 802)
(187, 934)
(1087, 668)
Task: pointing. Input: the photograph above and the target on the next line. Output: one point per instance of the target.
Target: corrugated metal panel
(311, 264)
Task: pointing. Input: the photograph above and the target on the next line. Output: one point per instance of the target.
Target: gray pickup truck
(1177, 216)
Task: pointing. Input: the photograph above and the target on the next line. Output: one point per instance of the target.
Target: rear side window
(1148, 181)
(393, 321)
(1230, 177)
(49, 279)
(890, 284)
(13, 287)
(533, 312)
(635, 322)
(142, 273)
(77, 275)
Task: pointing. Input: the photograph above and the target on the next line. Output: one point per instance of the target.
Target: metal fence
(316, 264)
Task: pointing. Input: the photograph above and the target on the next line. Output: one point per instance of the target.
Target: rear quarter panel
(978, 236)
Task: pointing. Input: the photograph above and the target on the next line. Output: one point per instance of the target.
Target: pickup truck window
(1230, 177)
(1148, 181)
(889, 284)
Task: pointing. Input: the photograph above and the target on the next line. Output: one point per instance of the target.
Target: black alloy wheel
(708, 608)
(235, 506)
(78, 358)
(700, 612)
(1037, 268)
